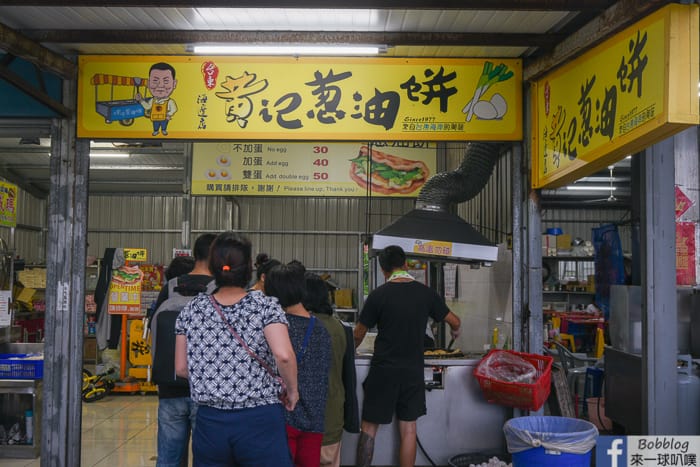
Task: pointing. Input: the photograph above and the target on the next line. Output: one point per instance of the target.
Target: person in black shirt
(399, 309)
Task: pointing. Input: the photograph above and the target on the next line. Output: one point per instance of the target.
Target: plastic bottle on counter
(494, 339)
(29, 418)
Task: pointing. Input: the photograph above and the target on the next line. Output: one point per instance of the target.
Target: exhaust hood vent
(438, 234)
(430, 230)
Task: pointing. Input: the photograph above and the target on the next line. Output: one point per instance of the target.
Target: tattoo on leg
(365, 450)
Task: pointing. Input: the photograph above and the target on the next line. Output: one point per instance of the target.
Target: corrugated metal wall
(324, 233)
(30, 233)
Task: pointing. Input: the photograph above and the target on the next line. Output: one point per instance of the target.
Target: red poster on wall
(685, 253)
(683, 203)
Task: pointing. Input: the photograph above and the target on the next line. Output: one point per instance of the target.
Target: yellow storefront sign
(399, 169)
(260, 98)
(8, 204)
(633, 90)
(433, 247)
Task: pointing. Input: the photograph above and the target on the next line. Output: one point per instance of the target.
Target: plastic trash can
(545, 441)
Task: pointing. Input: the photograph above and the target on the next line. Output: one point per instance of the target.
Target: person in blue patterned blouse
(231, 345)
(312, 345)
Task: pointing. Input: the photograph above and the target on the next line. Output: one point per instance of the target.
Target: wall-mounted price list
(311, 169)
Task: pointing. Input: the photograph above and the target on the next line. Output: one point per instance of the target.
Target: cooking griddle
(442, 353)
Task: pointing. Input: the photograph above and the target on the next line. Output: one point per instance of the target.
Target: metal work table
(16, 397)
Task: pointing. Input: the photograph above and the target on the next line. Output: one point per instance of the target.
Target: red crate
(519, 395)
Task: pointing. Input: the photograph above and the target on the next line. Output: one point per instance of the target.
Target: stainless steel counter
(16, 397)
(459, 420)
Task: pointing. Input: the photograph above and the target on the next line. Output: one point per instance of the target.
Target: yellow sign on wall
(631, 91)
(139, 255)
(433, 247)
(399, 169)
(8, 204)
(125, 291)
(340, 98)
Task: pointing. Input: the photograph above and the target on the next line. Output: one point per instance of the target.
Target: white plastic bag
(509, 368)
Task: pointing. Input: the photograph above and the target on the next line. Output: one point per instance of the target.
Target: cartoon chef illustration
(160, 107)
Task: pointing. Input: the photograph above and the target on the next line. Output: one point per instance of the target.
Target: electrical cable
(422, 449)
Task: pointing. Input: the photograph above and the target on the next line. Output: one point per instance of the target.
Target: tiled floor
(118, 431)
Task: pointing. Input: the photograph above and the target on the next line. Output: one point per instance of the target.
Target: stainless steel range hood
(431, 231)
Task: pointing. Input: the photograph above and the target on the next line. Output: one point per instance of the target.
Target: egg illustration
(224, 175)
(211, 174)
(223, 160)
(499, 104)
(485, 110)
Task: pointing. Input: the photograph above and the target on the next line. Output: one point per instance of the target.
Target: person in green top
(316, 300)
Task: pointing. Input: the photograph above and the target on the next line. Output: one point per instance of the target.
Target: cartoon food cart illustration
(122, 110)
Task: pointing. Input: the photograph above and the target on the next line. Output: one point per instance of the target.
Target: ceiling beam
(22, 182)
(517, 5)
(25, 128)
(20, 46)
(114, 36)
(22, 84)
(616, 18)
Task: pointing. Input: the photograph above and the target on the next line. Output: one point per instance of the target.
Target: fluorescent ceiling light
(287, 49)
(140, 168)
(603, 179)
(590, 187)
(111, 154)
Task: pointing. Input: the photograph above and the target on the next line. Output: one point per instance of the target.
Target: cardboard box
(563, 242)
(90, 349)
(343, 298)
(549, 245)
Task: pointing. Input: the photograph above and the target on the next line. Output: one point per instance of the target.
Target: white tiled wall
(484, 302)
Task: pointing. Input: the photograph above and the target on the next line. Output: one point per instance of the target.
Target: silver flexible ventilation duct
(447, 188)
(430, 230)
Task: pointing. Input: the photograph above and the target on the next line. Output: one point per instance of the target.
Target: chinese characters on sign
(231, 98)
(433, 248)
(136, 254)
(683, 203)
(685, 253)
(125, 287)
(8, 204)
(611, 101)
(593, 117)
(139, 348)
(124, 298)
(647, 451)
(312, 169)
